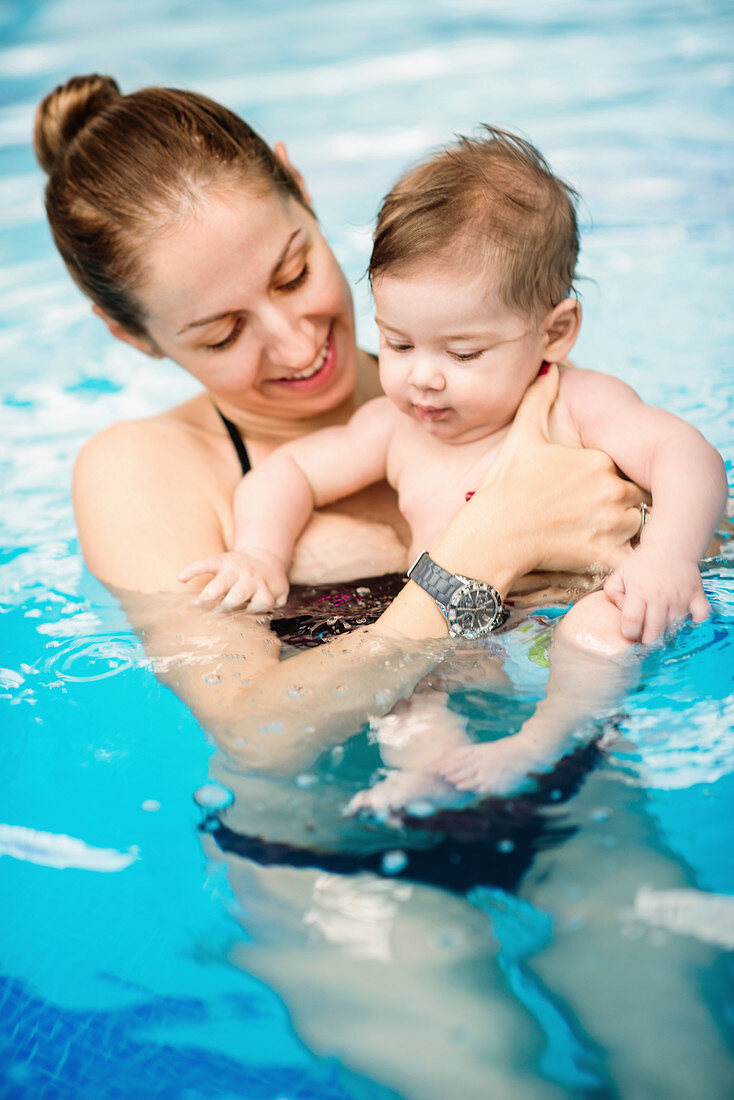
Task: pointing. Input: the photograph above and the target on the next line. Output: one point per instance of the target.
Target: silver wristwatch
(471, 608)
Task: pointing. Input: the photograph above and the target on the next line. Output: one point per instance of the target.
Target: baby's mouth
(429, 412)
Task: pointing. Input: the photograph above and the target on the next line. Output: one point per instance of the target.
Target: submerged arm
(251, 708)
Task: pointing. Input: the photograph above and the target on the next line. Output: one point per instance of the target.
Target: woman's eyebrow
(227, 312)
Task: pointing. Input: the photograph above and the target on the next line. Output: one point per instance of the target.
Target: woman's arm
(533, 511)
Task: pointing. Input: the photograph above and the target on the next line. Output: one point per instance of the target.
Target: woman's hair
(490, 201)
(123, 167)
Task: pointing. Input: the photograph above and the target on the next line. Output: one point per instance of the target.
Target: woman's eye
(229, 339)
(300, 279)
(466, 356)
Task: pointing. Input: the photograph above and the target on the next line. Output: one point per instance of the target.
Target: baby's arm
(273, 503)
(659, 582)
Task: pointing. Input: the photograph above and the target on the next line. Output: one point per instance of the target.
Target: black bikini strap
(237, 442)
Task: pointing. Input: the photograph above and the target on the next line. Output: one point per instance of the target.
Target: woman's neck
(270, 428)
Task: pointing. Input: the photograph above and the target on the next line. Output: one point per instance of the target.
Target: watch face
(474, 609)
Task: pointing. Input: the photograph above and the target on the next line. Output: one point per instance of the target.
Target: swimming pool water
(136, 960)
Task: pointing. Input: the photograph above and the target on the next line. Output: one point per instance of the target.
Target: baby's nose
(426, 374)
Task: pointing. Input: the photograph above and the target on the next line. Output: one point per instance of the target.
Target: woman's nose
(425, 373)
(290, 340)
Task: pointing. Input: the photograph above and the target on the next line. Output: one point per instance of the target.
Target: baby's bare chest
(432, 482)
(434, 479)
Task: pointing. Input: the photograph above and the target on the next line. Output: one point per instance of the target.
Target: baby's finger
(261, 599)
(215, 590)
(656, 619)
(614, 589)
(280, 588)
(238, 596)
(633, 617)
(700, 608)
(197, 568)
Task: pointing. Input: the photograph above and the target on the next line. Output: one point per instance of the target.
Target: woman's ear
(561, 328)
(282, 154)
(142, 343)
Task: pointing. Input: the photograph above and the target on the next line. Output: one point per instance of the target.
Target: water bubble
(420, 807)
(506, 846)
(295, 692)
(341, 689)
(383, 697)
(603, 813)
(270, 727)
(306, 780)
(150, 805)
(212, 678)
(394, 862)
(362, 591)
(212, 796)
(556, 795)
(337, 754)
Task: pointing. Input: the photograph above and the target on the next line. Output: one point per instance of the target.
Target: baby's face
(452, 355)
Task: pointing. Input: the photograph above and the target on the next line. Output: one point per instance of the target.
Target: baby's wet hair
(484, 202)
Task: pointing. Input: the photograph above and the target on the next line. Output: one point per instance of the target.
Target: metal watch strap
(434, 579)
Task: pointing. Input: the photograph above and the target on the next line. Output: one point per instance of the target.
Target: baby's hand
(257, 581)
(655, 588)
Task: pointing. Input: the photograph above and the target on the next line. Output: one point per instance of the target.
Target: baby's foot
(401, 789)
(499, 767)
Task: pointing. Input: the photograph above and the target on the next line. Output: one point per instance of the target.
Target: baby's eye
(466, 356)
(398, 347)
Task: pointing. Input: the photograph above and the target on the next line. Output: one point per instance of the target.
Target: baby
(472, 272)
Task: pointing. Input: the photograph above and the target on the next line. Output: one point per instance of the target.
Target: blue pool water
(137, 958)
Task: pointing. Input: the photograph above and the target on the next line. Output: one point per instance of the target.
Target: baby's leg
(587, 675)
(411, 737)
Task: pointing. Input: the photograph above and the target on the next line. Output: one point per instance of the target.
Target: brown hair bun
(65, 111)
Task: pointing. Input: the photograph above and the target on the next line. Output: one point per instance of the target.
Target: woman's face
(246, 295)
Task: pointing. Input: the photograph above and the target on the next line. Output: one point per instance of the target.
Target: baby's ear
(561, 328)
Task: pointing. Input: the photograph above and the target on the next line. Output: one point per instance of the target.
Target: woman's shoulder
(185, 433)
(151, 491)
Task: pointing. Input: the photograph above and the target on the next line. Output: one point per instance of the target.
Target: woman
(194, 241)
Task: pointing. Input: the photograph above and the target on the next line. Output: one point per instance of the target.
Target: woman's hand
(560, 508)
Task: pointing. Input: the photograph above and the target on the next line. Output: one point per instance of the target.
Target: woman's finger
(531, 418)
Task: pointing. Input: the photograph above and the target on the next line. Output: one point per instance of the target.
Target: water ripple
(86, 660)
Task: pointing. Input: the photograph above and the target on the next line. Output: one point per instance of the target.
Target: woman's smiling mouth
(317, 374)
